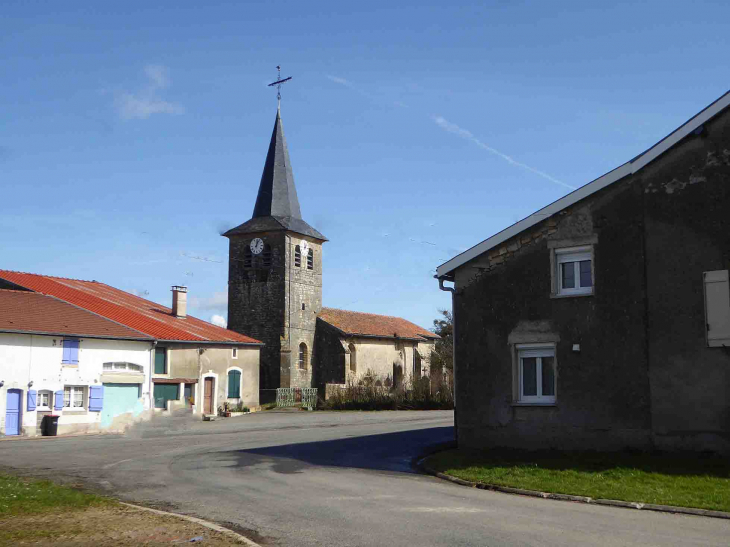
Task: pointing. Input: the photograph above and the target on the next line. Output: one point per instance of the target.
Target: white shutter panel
(717, 308)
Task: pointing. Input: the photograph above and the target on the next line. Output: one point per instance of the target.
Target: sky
(133, 133)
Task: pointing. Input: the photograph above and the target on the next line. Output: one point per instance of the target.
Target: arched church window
(267, 256)
(353, 358)
(303, 356)
(310, 260)
(247, 257)
(298, 256)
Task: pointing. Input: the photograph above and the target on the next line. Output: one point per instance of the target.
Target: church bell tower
(275, 276)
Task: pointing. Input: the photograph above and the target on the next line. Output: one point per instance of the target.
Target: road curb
(566, 497)
(201, 522)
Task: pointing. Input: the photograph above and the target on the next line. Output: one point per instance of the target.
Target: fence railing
(296, 396)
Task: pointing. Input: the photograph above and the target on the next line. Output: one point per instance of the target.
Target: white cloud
(147, 101)
(218, 301)
(468, 135)
(219, 320)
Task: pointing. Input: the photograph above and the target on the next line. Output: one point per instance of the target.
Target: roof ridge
(52, 276)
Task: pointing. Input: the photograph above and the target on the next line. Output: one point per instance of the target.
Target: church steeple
(277, 205)
(277, 194)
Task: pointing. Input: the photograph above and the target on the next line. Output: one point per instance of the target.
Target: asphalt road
(321, 478)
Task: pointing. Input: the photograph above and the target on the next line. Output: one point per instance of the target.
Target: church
(275, 295)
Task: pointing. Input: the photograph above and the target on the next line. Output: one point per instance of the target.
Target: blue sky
(133, 133)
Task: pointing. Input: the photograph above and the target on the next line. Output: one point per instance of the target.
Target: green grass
(20, 496)
(699, 481)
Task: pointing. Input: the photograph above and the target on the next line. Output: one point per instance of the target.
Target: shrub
(373, 392)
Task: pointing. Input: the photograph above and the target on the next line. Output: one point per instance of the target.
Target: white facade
(34, 362)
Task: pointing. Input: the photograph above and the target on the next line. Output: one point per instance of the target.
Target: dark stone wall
(687, 208)
(644, 376)
(277, 304)
(257, 299)
(329, 367)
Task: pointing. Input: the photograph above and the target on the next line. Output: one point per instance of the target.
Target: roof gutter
(211, 343)
(78, 335)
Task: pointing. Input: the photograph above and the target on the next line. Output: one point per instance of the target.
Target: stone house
(349, 345)
(56, 358)
(191, 363)
(603, 320)
(275, 290)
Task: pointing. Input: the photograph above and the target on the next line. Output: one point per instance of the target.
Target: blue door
(12, 413)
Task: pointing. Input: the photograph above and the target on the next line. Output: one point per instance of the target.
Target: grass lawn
(39, 512)
(686, 481)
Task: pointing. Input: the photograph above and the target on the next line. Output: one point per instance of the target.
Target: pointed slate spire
(277, 194)
(277, 205)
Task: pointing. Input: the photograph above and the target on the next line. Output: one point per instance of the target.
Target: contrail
(468, 135)
(455, 129)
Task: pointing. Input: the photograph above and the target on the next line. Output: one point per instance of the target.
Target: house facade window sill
(520, 403)
(576, 295)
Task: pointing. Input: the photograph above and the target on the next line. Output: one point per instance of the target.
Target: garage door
(120, 400)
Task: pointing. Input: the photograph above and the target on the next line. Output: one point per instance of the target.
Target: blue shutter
(96, 398)
(58, 400)
(66, 351)
(74, 351)
(31, 399)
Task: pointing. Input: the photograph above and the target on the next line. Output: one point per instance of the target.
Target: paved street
(334, 479)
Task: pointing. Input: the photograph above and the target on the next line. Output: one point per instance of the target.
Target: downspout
(151, 395)
(452, 290)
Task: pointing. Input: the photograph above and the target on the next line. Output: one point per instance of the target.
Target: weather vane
(278, 83)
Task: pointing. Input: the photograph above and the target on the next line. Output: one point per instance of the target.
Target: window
(234, 353)
(164, 393)
(160, 360)
(536, 374)
(310, 260)
(247, 257)
(70, 352)
(267, 256)
(303, 356)
(353, 358)
(574, 271)
(234, 384)
(73, 397)
(298, 256)
(45, 400)
(717, 308)
(122, 367)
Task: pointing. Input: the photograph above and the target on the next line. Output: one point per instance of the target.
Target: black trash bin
(49, 426)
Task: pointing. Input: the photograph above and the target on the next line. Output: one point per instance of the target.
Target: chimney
(179, 301)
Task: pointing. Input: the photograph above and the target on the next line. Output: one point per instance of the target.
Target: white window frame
(41, 392)
(575, 255)
(72, 391)
(539, 351)
(122, 367)
(234, 353)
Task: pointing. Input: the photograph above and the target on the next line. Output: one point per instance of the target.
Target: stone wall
(266, 303)
(376, 355)
(257, 300)
(643, 376)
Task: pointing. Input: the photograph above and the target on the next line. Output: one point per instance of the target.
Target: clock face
(257, 245)
(304, 245)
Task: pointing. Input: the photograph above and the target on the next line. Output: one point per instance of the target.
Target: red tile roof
(30, 312)
(369, 324)
(132, 311)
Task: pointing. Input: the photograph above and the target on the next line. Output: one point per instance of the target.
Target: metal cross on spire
(278, 83)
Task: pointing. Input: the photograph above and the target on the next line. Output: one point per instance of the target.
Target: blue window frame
(70, 352)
